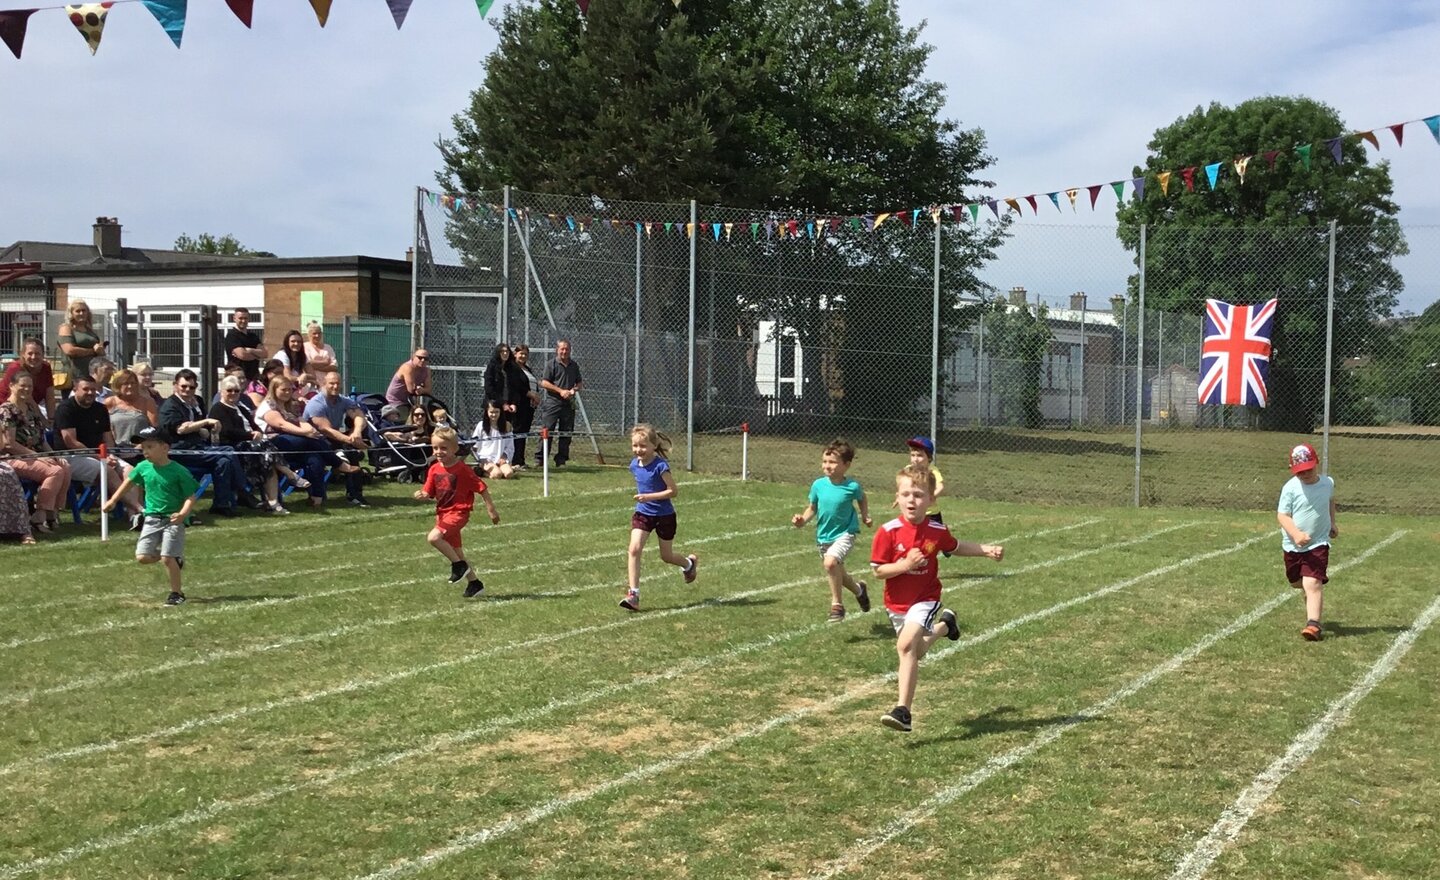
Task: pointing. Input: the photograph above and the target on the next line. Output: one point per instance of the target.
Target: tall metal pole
(637, 325)
(1083, 302)
(526, 245)
(1160, 361)
(345, 346)
(690, 347)
(935, 341)
(1329, 352)
(1139, 362)
(505, 270)
(980, 401)
(415, 276)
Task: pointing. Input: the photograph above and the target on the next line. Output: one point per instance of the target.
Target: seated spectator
(292, 355)
(193, 444)
(300, 442)
(14, 509)
(32, 361)
(146, 374)
(319, 357)
(495, 448)
(84, 424)
(131, 409)
(257, 390)
(102, 370)
(410, 382)
(420, 424)
(261, 459)
(24, 435)
(342, 423)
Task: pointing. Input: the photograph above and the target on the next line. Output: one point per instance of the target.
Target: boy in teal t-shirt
(169, 495)
(833, 502)
(1306, 512)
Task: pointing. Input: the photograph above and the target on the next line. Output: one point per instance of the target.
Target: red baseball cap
(1302, 458)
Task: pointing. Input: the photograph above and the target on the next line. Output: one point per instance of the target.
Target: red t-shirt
(453, 488)
(44, 378)
(892, 541)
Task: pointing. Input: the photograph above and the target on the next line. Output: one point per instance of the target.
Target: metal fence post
(120, 346)
(638, 273)
(1139, 361)
(415, 259)
(1329, 351)
(1083, 399)
(935, 341)
(345, 346)
(690, 346)
(980, 375)
(209, 327)
(505, 271)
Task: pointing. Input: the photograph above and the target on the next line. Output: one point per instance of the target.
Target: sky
(309, 142)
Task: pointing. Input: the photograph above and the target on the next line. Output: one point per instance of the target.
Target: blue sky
(307, 142)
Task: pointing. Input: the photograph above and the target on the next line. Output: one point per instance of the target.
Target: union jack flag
(1235, 356)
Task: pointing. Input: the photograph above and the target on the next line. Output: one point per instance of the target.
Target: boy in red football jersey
(904, 556)
(454, 486)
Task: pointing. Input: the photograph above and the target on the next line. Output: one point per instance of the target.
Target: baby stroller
(401, 449)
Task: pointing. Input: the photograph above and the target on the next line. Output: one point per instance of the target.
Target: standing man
(84, 425)
(242, 346)
(343, 425)
(192, 441)
(561, 381)
(411, 381)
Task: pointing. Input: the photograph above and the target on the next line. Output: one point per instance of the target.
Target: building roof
(55, 253)
(200, 264)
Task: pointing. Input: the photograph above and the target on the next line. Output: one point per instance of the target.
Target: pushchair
(400, 450)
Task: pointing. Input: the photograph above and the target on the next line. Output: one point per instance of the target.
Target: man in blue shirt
(341, 422)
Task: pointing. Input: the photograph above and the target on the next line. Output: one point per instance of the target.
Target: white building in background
(779, 362)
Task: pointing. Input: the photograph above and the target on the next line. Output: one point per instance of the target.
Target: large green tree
(1268, 236)
(226, 245)
(789, 108)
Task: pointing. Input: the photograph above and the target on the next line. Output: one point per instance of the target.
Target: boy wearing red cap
(1307, 522)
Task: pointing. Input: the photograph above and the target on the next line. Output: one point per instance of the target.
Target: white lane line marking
(903, 823)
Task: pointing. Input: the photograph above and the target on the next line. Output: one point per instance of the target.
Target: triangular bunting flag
(171, 15)
(729, 228)
(880, 218)
(974, 212)
(1240, 165)
(1398, 129)
(1270, 156)
(1014, 205)
(755, 231)
(914, 215)
(1164, 182)
(1304, 151)
(1433, 123)
(243, 10)
(570, 223)
(1119, 187)
(584, 6)
(322, 10)
(957, 213)
(689, 227)
(1212, 174)
(1188, 175)
(650, 229)
(836, 223)
(1071, 194)
(810, 229)
(1054, 199)
(1094, 191)
(484, 6)
(856, 223)
(1335, 146)
(935, 214)
(1369, 136)
(669, 226)
(906, 220)
(869, 220)
(89, 20)
(399, 9)
(1139, 184)
(1034, 209)
(716, 227)
(994, 207)
(12, 28)
(792, 227)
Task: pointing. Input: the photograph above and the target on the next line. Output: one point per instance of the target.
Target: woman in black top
(501, 379)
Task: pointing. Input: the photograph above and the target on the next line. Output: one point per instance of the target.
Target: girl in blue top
(654, 487)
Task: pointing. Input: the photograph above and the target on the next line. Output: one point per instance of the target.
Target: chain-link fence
(1001, 338)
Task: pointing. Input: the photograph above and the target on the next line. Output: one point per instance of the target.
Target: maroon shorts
(663, 526)
(1310, 563)
(450, 522)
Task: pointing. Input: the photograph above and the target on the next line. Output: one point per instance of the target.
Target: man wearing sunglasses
(410, 382)
(193, 445)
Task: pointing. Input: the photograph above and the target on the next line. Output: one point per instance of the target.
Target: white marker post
(545, 462)
(104, 494)
(744, 451)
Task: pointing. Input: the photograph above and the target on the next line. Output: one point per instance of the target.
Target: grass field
(1130, 698)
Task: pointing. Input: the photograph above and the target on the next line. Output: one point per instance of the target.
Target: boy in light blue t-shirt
(1307, 521)
(833, 502)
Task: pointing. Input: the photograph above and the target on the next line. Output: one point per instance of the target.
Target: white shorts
(838, 548)
(922, 613)
(160, 537)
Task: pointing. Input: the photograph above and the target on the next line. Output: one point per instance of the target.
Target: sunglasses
(420, 358)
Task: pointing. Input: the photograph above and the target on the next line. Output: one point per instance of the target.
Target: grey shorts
(160, 537)
(838, 548)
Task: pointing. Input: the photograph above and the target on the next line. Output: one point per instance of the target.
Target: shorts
(922, 613)
(450, 522)
(663, 525)
(1310, 563)
(838, 548)
(160, 537)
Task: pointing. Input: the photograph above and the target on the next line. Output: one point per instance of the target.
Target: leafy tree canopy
(226, 245)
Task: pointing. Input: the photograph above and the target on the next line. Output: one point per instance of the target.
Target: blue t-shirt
(1309, 506)
(651, 478)
(834, 505)
(335, 412)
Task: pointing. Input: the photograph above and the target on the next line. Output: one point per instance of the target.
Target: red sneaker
(1311, 633)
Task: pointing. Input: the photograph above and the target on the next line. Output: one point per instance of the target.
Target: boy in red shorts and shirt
(904, 556)
(1307, 522)
(454, 486)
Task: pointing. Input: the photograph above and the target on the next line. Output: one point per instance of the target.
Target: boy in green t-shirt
(833, 500)
(169, 495)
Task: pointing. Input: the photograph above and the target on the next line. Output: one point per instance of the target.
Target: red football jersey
(892, 541)
(453, 488)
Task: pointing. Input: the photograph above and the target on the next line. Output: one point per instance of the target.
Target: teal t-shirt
(1309, 506)
(834, 505)
(166, 487)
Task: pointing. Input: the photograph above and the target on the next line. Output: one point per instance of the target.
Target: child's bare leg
(632, 560)
(437, 540)
(668, 554)
(1314, 598)
(172, 568)
(837, 577)
(910, 645)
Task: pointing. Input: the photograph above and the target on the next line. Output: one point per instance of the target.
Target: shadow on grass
(998, 720)
(1334, 629)
(877, 631)
(256, 597)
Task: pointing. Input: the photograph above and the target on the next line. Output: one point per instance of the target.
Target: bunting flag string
(818, 228)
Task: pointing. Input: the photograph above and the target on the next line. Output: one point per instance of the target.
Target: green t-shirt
(166, 487)
(835, 508)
